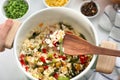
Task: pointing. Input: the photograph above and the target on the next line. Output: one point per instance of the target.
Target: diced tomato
(22, 56)
(55, 55)
(83, 59)
(44, 50)
(42, 59)
(55, 44)
(56, 75)
(49, 58)
(26, 68)
(63, 57)
(45, 67)
(22, 62)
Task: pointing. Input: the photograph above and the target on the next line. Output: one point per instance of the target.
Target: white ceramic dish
(50, 16)
(3, 12)
(98, 7)
(58, 6)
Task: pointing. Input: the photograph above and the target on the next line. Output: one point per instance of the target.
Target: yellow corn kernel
(58, 64)
(77, 67)
(64, 69)
(56, 2)
(40, 69)
(51, 78)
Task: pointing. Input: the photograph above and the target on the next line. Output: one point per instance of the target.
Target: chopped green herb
(60, 24)
(45, 64)
(56, 70)
(61, 48)
(39, 49)
(74, 60)
(81, 35)
(73, 70)
(35, 34)
(68, 26)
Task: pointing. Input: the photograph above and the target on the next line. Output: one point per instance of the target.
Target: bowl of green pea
(15, 9)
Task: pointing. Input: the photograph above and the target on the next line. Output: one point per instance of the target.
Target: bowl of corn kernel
(56, 3)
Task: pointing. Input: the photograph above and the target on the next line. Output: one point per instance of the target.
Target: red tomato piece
(63, 57)
(83, 59)
(55, 55)
(26, 68)
(45, 67)
(55, 44)
(22, 62)
(55, 75)
(44, 50)
(42, 59)
(49, 59)
(22, 56)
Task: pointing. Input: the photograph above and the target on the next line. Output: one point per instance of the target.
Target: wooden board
(105, 63)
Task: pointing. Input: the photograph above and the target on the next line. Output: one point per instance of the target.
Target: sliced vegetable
(54, 73)
(42, 59)
(63, 57)
(83, 59)
(81, 35)
(61, 47)
(45, 67)
(35, 34)
(63, 78)
(44, 50)
(74, 59)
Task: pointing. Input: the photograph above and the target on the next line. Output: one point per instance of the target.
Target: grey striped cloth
(110, 21)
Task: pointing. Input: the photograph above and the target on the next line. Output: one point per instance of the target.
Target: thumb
(7, 26)
(4, 29)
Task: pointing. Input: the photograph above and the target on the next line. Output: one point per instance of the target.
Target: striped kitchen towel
(110, 21)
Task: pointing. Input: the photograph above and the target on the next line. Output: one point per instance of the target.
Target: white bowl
(98, 7)
(4, 14)
(56, 6)
(50, 16)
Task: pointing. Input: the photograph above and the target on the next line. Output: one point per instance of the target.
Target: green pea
(15, 8)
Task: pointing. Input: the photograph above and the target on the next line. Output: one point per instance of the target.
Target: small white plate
(3, 12)
(98, 7)
(56, 6)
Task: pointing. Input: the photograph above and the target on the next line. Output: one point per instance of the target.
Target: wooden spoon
(74, 45)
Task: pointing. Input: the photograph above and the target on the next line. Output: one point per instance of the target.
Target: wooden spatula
(74, 45)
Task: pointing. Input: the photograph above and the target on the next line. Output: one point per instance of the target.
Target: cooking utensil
(74, 45)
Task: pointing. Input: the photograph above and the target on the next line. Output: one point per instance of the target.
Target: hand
(4, 29)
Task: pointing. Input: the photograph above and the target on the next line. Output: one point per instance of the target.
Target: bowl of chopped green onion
(15, 9)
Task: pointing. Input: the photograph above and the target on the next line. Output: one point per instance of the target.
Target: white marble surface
(8, 67)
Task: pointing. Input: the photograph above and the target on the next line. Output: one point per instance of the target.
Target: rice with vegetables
(42, 54)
